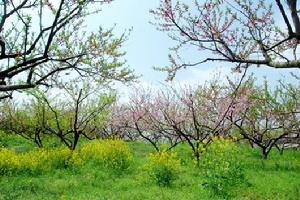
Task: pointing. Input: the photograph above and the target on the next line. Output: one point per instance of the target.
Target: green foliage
(222, 167)
(270, 116)
(111, 153)
(80, 109)
(8, 140)
(163, 167)
(96, 56)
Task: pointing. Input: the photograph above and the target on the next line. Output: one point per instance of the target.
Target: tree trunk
(251, 144)
(265, 154)
(38, 140)
(75, 141)
(197, 157)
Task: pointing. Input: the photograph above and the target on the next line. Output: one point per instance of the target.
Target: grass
(275, 178)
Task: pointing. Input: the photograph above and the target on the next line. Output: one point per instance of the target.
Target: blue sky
(148, 47)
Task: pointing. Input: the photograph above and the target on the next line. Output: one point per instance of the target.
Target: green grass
(275, 178)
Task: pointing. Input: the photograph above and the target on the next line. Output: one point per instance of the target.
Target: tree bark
(265, 154)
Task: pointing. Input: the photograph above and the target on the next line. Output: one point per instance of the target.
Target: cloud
(201, 75)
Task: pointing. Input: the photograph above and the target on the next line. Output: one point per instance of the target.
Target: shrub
(111, 153)
(36, 161)
(163, 167)
(222, 168)
(75, 159)
(9, 161)
(40, 160)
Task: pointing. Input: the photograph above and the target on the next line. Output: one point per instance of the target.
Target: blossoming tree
(170, 116)
(239, 32)
(266, 117)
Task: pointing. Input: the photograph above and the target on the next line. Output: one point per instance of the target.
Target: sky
(148, 47)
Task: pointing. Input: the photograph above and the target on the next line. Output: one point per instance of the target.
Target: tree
(142, 117)
(78, 111)
(171, 116)
(291, 140)
(26, 120)
(268, 117)
(118, 124)
(148, 114)
(201, 117)
(239, 32)
(41, 38)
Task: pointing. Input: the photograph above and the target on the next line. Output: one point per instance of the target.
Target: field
(275, 178)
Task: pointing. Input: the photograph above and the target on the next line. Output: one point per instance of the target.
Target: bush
(111, 153)
(36, 161)
(9, 161)
(222, 167)
(163, 167)
(40, 160)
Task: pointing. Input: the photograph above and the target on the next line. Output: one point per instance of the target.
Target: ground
(275, 178)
